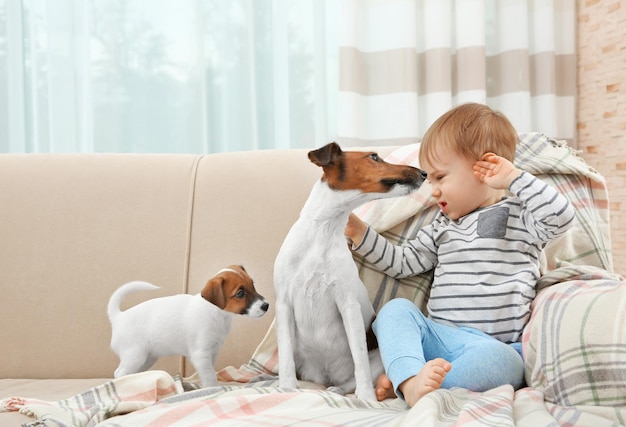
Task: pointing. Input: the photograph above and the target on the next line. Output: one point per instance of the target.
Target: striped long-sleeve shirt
(486, 263)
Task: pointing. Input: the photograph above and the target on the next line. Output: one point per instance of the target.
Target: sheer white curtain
(167, 76)
(405, 62)
(219, 75)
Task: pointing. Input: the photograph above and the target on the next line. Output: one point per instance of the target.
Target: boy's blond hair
(470, 130)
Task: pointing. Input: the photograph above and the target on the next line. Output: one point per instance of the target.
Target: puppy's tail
(113, 308)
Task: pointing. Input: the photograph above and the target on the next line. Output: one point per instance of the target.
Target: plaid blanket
(153, 398)
(575, 359)
(587, 243)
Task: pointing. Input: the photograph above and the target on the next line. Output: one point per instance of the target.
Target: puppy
(322, 308)
(191, 325)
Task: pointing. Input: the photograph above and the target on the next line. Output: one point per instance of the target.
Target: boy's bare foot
(428, 379)
(384, 388)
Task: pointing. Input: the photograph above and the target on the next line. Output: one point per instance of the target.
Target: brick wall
(602, 105)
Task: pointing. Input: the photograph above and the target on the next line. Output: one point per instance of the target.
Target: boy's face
(455, 188)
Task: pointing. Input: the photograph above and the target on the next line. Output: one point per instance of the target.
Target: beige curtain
(403, 63)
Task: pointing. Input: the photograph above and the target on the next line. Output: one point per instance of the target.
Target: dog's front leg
(204, 364)
(285, 334)
(355, 329)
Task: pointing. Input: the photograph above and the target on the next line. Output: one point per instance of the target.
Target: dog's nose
(423, 174)
(265, 306)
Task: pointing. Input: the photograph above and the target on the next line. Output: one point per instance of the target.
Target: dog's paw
(366, 394)
(287, 382)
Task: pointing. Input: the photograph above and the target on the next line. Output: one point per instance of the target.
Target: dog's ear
(213, 292)
(325, 156)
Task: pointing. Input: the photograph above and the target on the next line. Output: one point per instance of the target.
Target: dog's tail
(113, 308)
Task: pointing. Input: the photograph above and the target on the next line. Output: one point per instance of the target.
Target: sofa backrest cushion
(74, 228)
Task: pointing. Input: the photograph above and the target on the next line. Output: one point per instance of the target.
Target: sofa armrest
(575, 342)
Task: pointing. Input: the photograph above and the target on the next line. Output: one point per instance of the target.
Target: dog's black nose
(423, 174)
(265, 306)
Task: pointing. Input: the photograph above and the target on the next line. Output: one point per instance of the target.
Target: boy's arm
(355, 230)
(413, 257)
(545, 210)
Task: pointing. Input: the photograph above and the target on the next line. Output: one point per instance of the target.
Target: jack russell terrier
(322, 309)
(192, 325)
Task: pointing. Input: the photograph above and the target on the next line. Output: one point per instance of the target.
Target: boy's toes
(384, 388)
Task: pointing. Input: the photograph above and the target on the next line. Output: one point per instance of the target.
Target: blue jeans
(407, 340)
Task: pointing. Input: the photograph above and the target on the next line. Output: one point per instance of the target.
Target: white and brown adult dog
(323, 310)
(191, 325)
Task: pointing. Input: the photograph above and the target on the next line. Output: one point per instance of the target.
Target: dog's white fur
(322, 308)
(191, 325)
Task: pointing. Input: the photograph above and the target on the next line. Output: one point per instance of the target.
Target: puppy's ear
(325, 156)
(213, 292)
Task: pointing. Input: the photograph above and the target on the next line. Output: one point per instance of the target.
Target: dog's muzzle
(257, 309)
(413, 177)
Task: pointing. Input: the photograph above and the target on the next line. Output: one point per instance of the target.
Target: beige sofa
(75, 227)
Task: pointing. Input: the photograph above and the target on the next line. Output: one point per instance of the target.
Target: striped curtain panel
(403, 63)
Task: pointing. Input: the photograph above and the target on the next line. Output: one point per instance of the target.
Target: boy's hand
(495, 171)
(355, 229)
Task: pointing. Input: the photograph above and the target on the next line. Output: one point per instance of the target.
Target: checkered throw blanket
(587, 243)
(574, 344)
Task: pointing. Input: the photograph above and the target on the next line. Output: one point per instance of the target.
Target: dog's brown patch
(231, 289)
(358, 170)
